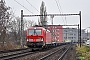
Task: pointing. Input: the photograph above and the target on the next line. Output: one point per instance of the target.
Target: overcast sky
(66, 6)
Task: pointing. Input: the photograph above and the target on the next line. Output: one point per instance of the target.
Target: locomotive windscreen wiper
(35, 32)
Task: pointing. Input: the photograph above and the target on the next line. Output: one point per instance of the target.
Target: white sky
(67, 6)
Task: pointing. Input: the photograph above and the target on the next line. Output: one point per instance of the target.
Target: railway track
(56, 55)
(7, 51)
(17, 53)
(65, 52)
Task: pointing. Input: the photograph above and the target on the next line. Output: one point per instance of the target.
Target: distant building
(56, 31)
(72, 34)
(87, 36)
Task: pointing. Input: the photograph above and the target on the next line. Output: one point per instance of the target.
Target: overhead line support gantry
(51, 15)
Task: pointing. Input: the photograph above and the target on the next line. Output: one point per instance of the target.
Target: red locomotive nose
(34, 40)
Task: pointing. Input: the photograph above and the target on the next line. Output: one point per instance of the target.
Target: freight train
(39, 37)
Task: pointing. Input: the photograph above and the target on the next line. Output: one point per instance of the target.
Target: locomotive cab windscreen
(34, 32)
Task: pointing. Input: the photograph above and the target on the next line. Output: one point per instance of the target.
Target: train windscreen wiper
(35, 32)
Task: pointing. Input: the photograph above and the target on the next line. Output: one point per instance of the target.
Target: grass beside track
(83, 52)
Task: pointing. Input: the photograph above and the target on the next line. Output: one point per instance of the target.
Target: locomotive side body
(48, 37)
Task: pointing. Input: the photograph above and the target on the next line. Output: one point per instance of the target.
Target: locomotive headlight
(27, 40)
(42, 39)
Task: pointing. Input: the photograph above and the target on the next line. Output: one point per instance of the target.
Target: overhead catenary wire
(23, 6)
(59, 9)
(60, 6)
(31, 5)
(57, 6)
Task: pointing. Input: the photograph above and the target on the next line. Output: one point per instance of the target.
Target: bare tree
(28, 23)
(4, 16)
(10, 25)
(16, 27)
(43, 19)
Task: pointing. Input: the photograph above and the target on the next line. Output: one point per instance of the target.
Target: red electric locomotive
(38, 37)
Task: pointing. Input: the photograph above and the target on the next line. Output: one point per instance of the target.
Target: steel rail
(61, 57)
(16, 54)
(51, 53)
(7, 51)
